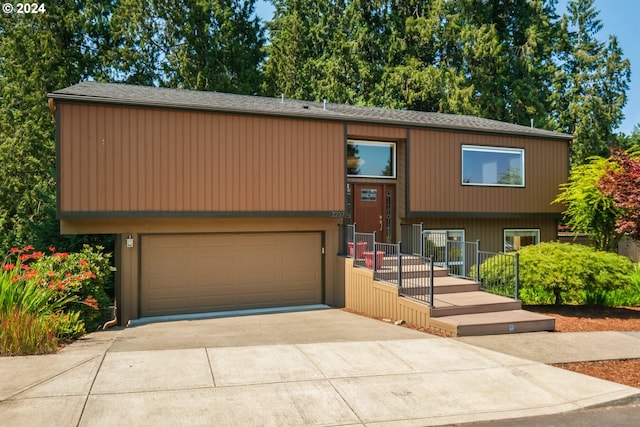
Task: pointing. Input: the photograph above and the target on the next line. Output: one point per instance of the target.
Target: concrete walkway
(311, 368)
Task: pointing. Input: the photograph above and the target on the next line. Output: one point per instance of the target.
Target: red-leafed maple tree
(622, 183)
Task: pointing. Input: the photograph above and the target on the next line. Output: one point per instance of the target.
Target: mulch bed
(573, 318)
(584, 318)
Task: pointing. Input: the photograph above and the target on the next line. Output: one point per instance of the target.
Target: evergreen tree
(418, 73)
(508, 56)
(137, 32)
(191, 44)
(306, 54)
(38, 54)
(590, 85)
(212, 45)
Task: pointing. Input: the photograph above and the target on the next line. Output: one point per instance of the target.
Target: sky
(619, 18)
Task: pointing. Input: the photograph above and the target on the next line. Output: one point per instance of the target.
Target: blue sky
(620, 18)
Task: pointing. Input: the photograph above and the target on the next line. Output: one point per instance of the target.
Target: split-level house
(223, 202)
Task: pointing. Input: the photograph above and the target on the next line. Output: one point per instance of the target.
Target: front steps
(461, 308)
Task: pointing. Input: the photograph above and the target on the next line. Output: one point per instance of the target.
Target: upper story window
(371, 159)
(492, 166)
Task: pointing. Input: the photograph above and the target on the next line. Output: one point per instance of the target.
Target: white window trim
(393, 146)
(485, 148)
(504, 235)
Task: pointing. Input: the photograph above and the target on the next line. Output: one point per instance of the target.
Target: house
(223, 202)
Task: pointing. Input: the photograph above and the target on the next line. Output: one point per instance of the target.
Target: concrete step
(494, 323)
(473, 302)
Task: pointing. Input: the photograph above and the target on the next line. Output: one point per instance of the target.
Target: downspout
(114, 321)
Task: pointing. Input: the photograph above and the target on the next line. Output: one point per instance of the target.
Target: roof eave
(325, 115)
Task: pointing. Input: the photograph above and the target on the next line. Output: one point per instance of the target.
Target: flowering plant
(57, 283)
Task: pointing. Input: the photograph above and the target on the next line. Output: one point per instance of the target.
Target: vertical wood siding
(374, 132)
(116, 158)
(435, 163)
(365, 295)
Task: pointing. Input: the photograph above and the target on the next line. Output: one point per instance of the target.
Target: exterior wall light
(129, 241)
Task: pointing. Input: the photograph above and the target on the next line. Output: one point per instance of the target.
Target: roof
(116, 93)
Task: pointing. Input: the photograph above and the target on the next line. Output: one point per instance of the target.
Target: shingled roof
(115, 93)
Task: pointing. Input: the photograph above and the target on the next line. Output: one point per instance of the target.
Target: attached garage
(193, 273)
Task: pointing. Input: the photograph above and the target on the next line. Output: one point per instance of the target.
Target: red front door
(374, 209)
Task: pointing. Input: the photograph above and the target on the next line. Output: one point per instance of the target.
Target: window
(371, 159)
(369, 194)
(516, 239)
(492, 166)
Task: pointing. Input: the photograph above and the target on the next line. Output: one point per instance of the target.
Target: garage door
(200, 273)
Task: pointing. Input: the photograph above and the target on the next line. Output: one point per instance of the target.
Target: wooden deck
(460, 308)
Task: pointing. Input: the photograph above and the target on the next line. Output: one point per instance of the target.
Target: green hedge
(565, 273)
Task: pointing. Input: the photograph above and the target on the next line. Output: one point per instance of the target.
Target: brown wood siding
(115, 158)
(378, 299)
(376, 133)
(435, 174)
(490, 231)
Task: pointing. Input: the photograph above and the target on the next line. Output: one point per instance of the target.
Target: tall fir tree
(190, 44)
(40, 53)
(304, 36)
(418, 73)
(509, 56)
(590, 85)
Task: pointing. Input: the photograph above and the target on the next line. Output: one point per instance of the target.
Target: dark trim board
(197, 214)
(485, 215)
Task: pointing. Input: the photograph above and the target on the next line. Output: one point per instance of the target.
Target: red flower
(27, 248)
(36, 255)
(8, 267)
(25, 266)
(52, 249)
(91, 303)
(89, 274)
(25, 257)
(61, 255)
(14, 250)
(83, 263)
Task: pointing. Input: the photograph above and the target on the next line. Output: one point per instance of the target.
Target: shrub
(24, 332)
(84, 276)
(50, 297)
(629, 296)
(23, 287)
(31, 308)
(498, 274)
(557, 272)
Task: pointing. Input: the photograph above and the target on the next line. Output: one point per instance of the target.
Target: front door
(374, 209)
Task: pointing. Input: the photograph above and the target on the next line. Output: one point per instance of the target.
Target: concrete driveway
(309, 368)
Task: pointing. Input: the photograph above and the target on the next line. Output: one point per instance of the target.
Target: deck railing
(414, 283)
(412, 239)
(362, 243)
(499, 273)
(413, 274)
